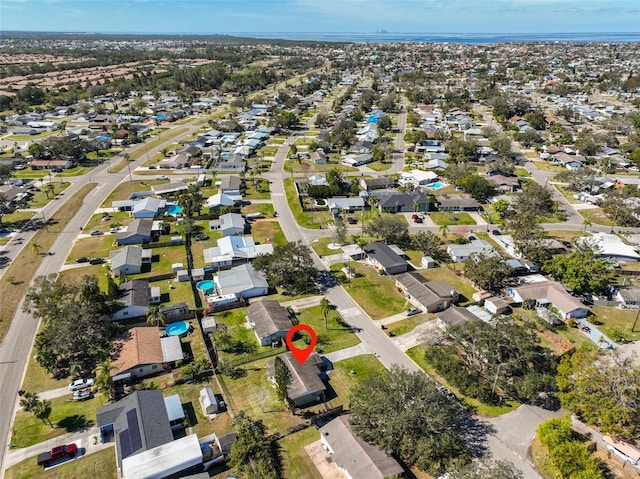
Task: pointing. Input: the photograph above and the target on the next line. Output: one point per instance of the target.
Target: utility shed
(208, 401)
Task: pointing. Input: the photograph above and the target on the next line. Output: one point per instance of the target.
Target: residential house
(384, 258)
(270, 321)
(496, 305)
(378, 183)
(129, 260)
(230, 185)
(140, 352)
(356, 160)
(356, 458)
(403, 202)
(430, 296)
(137, 422)
(134, 296)
(137, 232)
(234, 249)
(222, 199)
(50, 164)
(629, 296)
(417, 178)
(337, 204)
(362, 147)
(178, 161)
(457, 203)
(460, 252)
(305, 387)
(319, 157)
(173, 188)
(149, 208)
(437, 164)
(229, 224)
(611, 247)
(455, 316)
(178, 458)
(504, 183)
(570, 162)
(243, 281)
(549, 293)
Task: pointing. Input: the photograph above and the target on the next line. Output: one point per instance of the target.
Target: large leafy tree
(581, 271)
(289, 267)
(535, 199)
(461, 150)
(487, 271)
(75, 333)
(603, 389)
(428, 243)
(486, 469)
(492, 361)
(254, 454)
(391, 229)
(477, 186)
(404, 413)
(283, 379)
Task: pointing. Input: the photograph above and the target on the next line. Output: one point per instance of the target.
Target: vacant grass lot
(29, 173)
(334, 338)
(23, 268)
(91, 247)
(66, 416)
(408, 324)
(376, 294)
(17, 219)
(100, 464)
(37, 380)
(268, 231)
(265, 209)
(618, 320)
(124, 190)
(40, 199)
(296, 461)
(596, 216)
(451, 219)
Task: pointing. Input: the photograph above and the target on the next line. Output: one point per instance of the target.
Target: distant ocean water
(471, 38)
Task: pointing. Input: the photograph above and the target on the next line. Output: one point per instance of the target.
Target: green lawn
(321, 247)
(29, 137)
(567, 194)
(75, 171)
(451, 219)
(376, 294)
(617, 320)
(380, 166)
(124, 190)
(334, 338)
(100, 464)
(74, 275)
(252, 194)
(547, 166)
(349, 372)
(17, 219)
(268, 231)
(521, 172)
(66, 416)
(445, 274)
(29, 173)
(96, 222)
(37, 380)
(408, 324)
(596, 216)
(93, 246)
(295, 460)
(265, 209)
(41, 199)
(306, 220)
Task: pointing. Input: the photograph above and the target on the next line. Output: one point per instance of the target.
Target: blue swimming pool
(436, 186)
(205, 286)
(176, 329)
(174, 210)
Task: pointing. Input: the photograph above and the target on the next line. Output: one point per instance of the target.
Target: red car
(57, 453)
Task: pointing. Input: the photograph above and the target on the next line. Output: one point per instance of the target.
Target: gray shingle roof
(134, 292)
(383, 255)
(129, 255)
(269, 317)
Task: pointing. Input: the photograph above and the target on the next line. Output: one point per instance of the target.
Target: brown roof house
(455, 316)
(270, 321)
(549, 293)
(431, 296)
(305, 387)
(356, 458)
(141, 352)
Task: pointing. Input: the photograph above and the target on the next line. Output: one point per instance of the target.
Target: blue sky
(322, 16)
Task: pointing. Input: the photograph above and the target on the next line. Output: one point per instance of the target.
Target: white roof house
(222, 199)
(232, 248)
(242, 281)
(460, 252)
(417, 177)
(611, 247)
(164, 460)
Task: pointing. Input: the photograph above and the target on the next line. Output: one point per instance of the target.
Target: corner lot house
(305, 387)
(356, 458)
(430, 296)
(455, 316)
(270, 321)
(384, 258)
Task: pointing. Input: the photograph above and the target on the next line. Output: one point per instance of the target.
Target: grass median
(22, 270)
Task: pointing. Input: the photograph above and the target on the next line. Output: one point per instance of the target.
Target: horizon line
(385, 32)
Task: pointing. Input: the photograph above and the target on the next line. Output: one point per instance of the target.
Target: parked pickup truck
(57, 453)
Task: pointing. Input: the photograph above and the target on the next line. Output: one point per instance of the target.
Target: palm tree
(155, 316)
(444, 231)
(103, 379)
(585, 224)
(28, 401)
(42, 410)
(35, 247)
(48, 189)
(325, 308)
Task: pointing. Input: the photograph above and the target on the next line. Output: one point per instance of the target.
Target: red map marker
(301, 355)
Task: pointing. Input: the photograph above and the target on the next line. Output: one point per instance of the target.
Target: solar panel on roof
(130, 440)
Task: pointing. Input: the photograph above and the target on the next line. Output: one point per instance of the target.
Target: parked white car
(81, 384)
